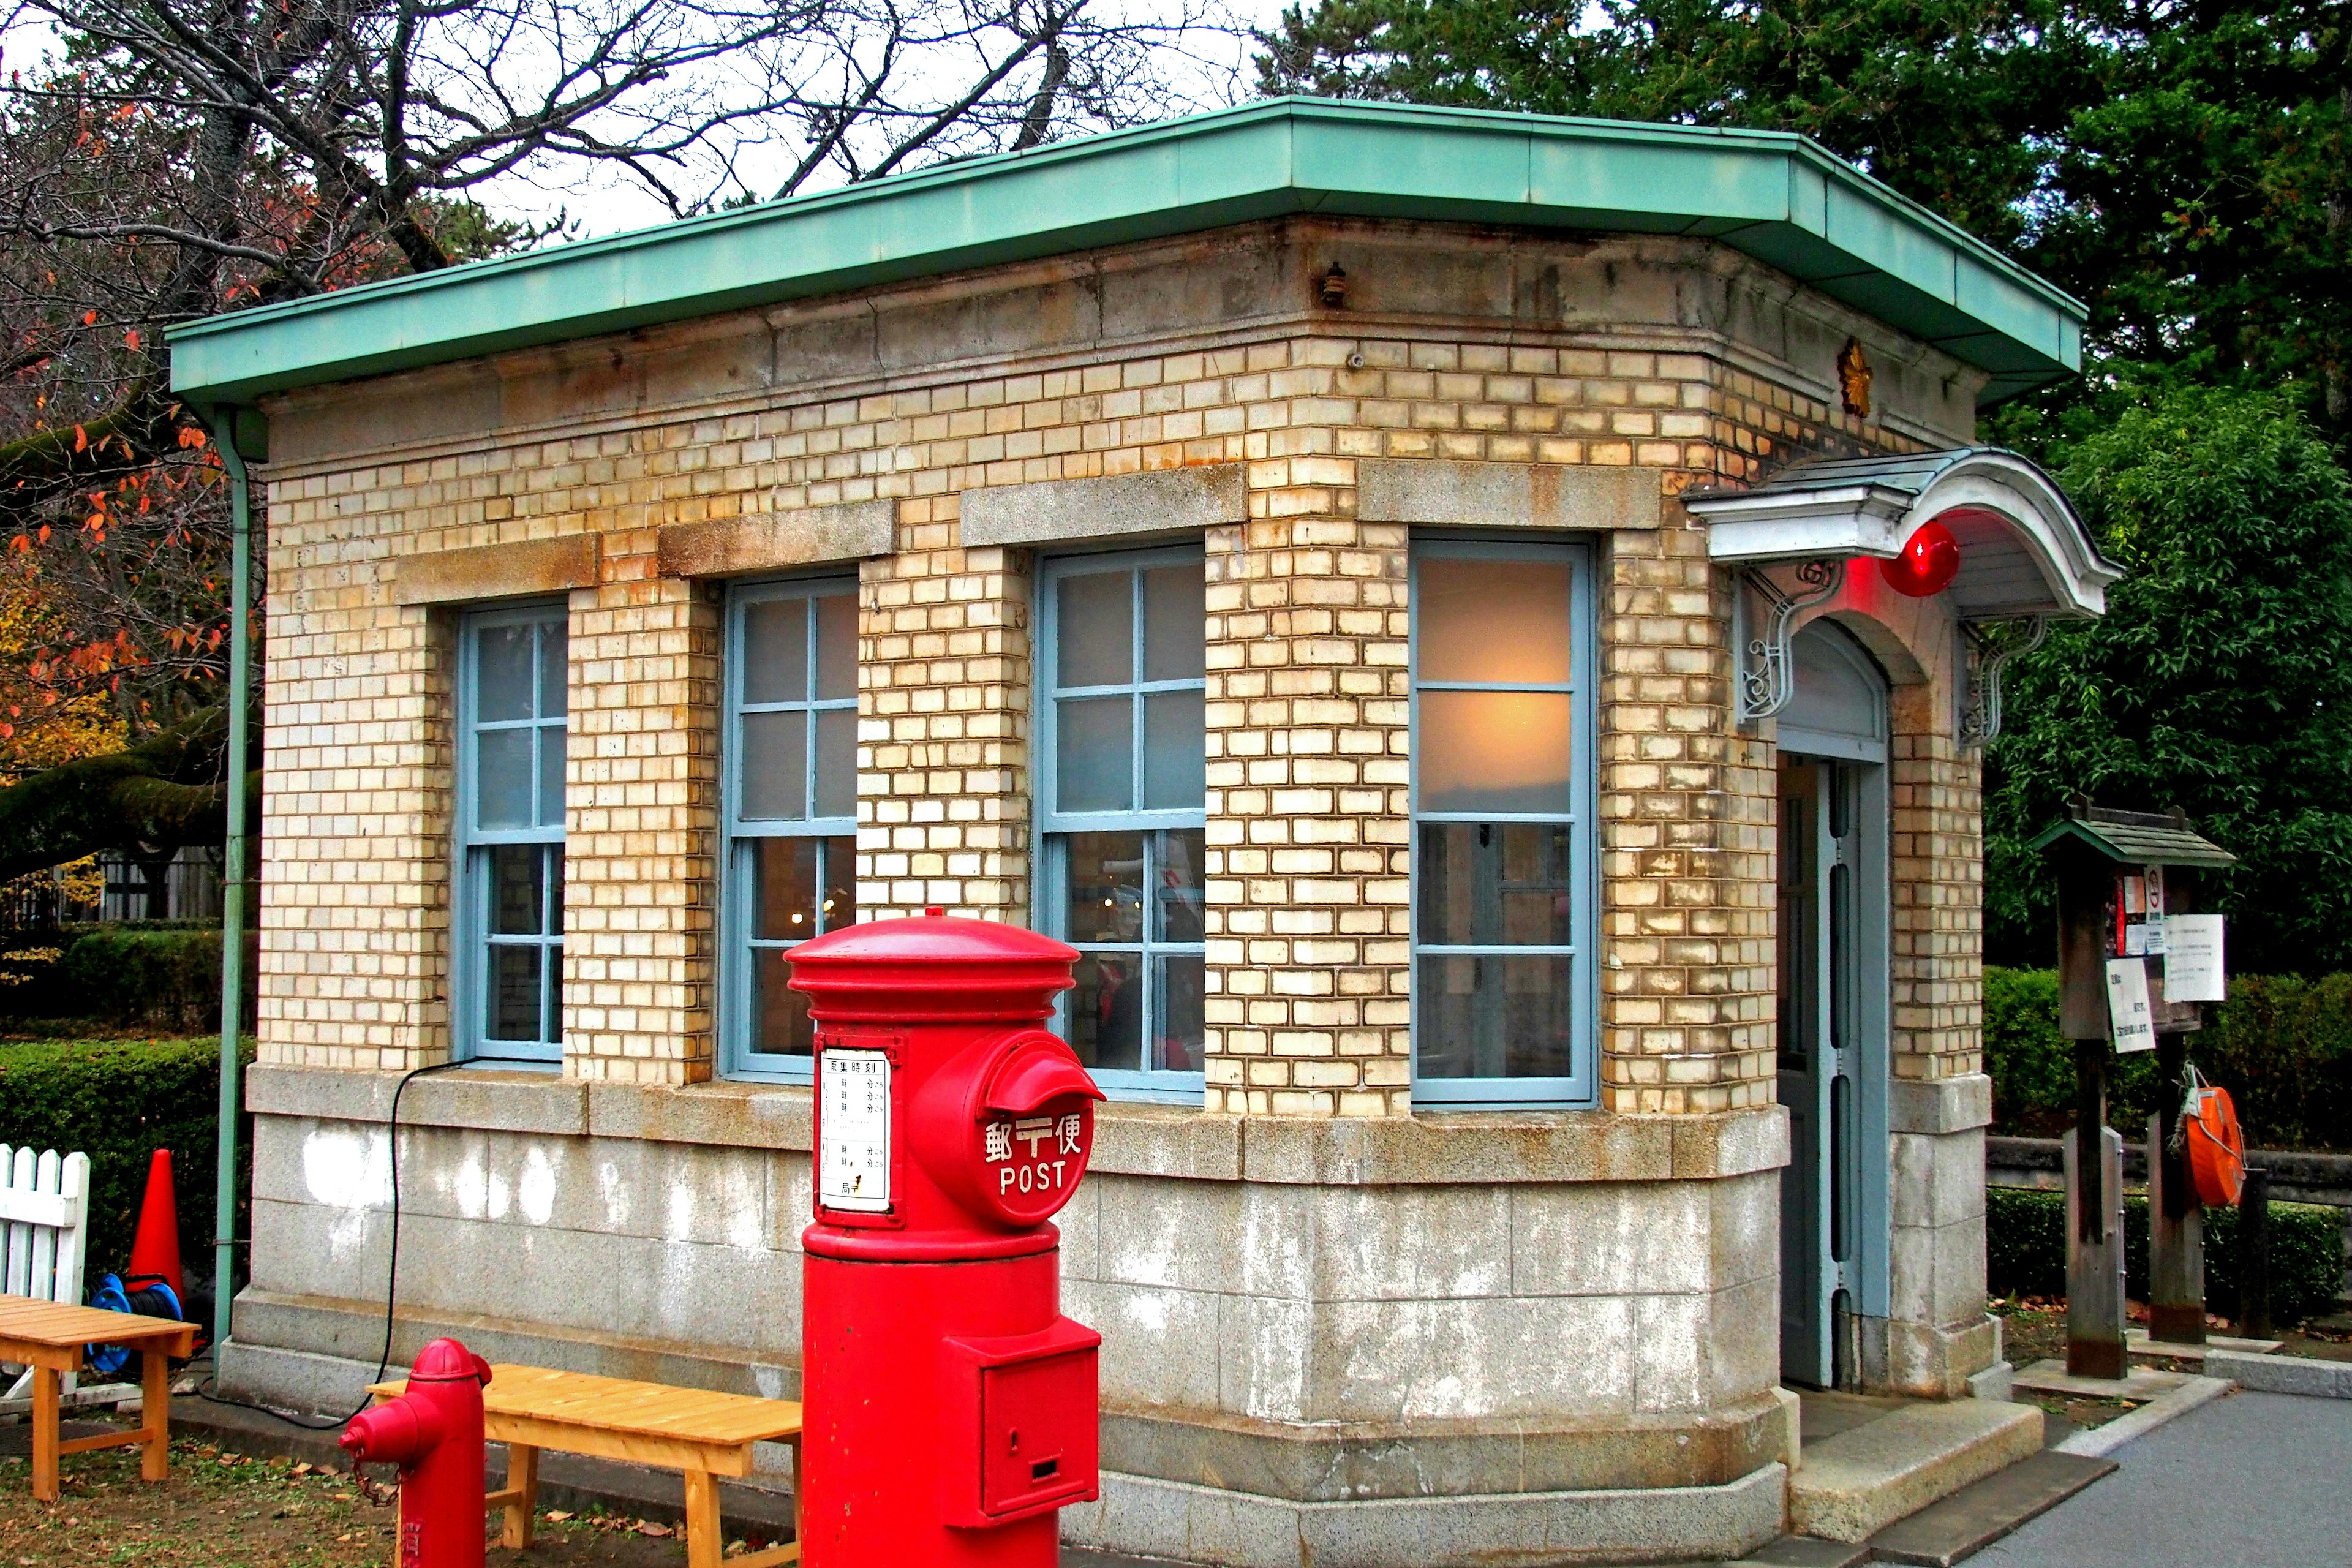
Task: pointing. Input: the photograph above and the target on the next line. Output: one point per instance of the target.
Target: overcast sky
(599, 199)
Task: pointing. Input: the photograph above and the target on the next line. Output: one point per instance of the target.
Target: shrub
(152, 974)
(2025, 1251)
(118, 1101)
(2281, 1045)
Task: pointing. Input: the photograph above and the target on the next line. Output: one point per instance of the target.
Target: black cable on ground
(390, 1282)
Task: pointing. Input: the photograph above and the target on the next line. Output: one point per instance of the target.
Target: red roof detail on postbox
(930, 968)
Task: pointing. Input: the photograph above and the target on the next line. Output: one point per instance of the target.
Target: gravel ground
(221, 1511)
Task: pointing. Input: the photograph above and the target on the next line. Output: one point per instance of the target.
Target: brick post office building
(1398, 590)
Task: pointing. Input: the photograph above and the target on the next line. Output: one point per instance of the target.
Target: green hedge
(2281, 1045)
(118, 1101)
(2025, 1251)
(145, 974)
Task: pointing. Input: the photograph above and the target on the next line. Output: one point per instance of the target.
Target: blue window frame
(1122, 787)
(511, 720)
(791, 798)
(1506, 890)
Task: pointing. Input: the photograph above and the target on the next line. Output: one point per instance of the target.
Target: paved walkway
(2254, 1480)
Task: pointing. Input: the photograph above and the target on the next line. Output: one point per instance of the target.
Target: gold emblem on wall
(1854, 379)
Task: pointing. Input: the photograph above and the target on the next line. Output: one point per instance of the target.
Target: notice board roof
(1773, 195)
(2135, 838)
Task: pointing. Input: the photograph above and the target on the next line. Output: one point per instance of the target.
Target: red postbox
(952, 1409)
(433, 1431)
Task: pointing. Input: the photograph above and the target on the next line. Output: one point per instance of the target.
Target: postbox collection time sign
(853, 1168)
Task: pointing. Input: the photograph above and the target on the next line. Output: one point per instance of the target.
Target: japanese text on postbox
(854, 1112)
(1050, 1154)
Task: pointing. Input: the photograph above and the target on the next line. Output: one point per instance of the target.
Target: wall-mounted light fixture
(1333, 289)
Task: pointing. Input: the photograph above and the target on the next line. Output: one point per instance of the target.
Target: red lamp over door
(1930, 560)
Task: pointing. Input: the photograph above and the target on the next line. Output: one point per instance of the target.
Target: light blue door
(1833, 966)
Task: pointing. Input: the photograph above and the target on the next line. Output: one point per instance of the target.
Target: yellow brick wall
(1309, 1008)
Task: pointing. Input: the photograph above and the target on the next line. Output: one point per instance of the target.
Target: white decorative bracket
(1767, 672)
(1980, 723)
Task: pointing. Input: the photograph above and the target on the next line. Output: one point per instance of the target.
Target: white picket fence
(45, 1208)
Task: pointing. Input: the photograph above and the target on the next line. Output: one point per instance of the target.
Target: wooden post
(2175, 1221)
(2095, 1238)
(2254, 1254)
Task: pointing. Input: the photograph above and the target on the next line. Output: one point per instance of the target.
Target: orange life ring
(2217, 1150)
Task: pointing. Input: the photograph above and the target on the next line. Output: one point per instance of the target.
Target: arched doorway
(1834, 1007)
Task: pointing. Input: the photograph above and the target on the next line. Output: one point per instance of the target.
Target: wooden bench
(48, 1337)
(700, 1433)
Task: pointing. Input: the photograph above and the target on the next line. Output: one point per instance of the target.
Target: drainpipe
(240, 681)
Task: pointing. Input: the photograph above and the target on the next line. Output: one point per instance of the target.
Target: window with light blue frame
(790, 800)
(511, 707)
(1122, 791)
(1505, 891)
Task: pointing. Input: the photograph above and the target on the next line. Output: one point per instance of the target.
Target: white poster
(2192, 959)
(852, 1164)
(2129, 1013)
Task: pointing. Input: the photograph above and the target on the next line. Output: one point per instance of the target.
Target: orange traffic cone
(155, 1249)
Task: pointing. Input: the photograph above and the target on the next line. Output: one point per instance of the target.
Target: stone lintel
(1341, 1462)
(1507, 495)
(1117, 506)
(1481, 1149)
(1184, 1145)
(778, 540)
(496, 571)
(506, 1099)
(1939, 1105)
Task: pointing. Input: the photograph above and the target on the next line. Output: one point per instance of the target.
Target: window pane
(837, 646)
(1095, 631)
(1491, 1018)
(1106, 1010)
(554, 853)
(1502, 621)
(1176, 886)
(514, 999)
(502, 778)
(1175, 623)
(551, 774)
(1180, 1014)
(1486, 884)
(779, 1015)
(775, 650)
(502, 673)
(554, 643)
(1494, 750)
(553, 998)
(1094, 758)
(774, 759)
(840, 907)
(1175, 750)
(837, 763)
(515, 889)
(1106, 887)
(784, 888)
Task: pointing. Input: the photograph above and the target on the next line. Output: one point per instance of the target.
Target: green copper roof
(1776, 196)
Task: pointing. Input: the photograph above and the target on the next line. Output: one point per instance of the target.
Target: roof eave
(1771, 195)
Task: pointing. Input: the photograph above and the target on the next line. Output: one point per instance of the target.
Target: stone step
(1856, 1484)
(1973, 1518)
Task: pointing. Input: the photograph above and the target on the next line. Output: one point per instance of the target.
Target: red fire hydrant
(951, 1408)
(433, 1431)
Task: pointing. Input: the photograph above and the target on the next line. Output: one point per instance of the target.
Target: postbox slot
(1044, 1469)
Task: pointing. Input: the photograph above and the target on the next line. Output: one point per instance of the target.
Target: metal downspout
(240, 680)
